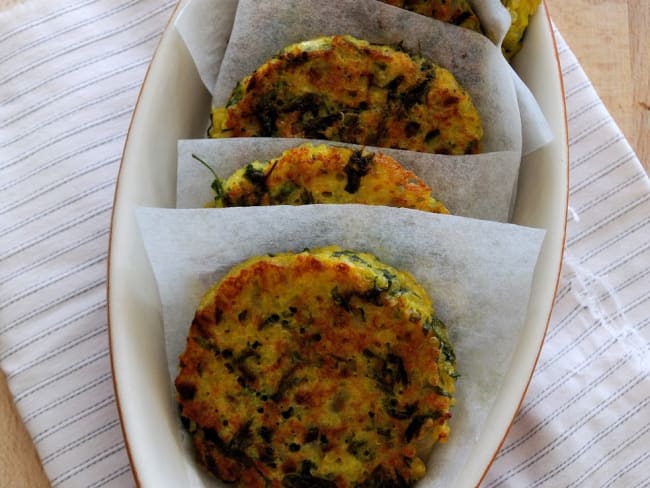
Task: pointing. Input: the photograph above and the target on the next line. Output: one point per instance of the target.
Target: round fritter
(520, 12)
(327, 174)
(325, 368)
(458, 12)
(344, 89)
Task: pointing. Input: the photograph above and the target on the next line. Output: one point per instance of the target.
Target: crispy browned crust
(457, 12)
(324, 368)
(344, 89)
(327, 174)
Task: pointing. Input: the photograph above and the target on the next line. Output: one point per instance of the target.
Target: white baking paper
(477, 273)
(495, 18)
(205, 26)
(479, 186)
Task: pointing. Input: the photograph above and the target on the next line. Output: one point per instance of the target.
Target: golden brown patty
(458, 12)
(327, 174)
(344, 89)
(324, 368)
(520, 12)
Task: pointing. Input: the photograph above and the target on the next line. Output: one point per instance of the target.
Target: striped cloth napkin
(69, 78)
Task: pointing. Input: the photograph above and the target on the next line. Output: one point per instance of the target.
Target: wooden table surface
(610, 39)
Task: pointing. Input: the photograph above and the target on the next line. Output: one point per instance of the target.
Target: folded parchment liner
(477, 273)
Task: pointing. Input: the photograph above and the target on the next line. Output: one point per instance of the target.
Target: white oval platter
(173, 104)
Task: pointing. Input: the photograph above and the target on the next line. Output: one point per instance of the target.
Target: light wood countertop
(610, 38)
(19, 462)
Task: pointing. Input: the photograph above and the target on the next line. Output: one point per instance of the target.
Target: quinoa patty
(457, 12)
(326, 174)
(325, 368)
(345, 89)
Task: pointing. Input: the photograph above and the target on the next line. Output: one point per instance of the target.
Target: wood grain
(610, 39)
(639, 22)
(19, 462)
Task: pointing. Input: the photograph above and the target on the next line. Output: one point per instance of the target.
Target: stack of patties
(325, 368)
(344, 89)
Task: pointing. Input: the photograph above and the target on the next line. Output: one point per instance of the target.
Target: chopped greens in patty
(457, 12)
(345, 89)
(326, 174)
(325, 368)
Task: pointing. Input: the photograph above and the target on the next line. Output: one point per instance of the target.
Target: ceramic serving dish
(173, 104)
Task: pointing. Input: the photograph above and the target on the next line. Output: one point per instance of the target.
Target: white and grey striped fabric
(586, 418)
(69, 77)
(70, 73)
